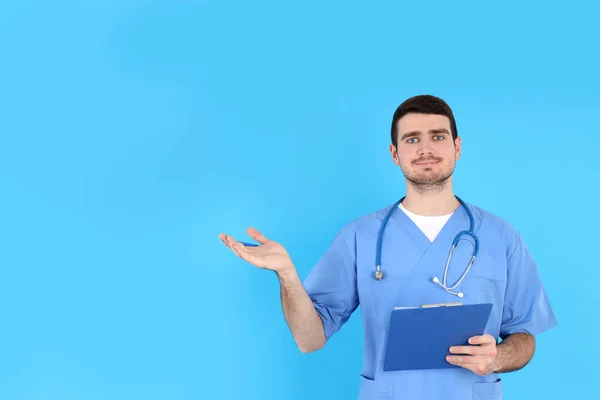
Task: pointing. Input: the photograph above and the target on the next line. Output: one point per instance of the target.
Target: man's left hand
(480, 357)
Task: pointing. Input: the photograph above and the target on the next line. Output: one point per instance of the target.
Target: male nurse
(416, 242)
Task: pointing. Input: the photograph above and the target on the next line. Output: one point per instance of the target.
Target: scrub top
(503, 274)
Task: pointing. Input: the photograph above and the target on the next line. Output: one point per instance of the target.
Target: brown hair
(423, 104)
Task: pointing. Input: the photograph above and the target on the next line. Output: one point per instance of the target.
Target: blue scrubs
(504, 274)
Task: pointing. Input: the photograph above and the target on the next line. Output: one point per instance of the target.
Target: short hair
(423, 104)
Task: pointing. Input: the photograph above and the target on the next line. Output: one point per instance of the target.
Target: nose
(425, 149)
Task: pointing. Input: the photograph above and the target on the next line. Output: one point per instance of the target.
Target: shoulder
(496, 228)
(368, 224)
(369, 220)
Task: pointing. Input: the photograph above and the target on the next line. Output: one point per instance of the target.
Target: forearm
(300, 314)
(514, 352)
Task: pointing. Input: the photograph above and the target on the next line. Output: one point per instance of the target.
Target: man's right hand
(299, 311)
(267, 255)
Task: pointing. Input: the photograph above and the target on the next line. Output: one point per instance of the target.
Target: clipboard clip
(453, 304)
(435, 305)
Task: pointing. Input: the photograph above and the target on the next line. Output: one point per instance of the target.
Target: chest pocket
(487, 266)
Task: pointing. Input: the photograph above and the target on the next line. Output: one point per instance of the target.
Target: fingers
(478, 357)
(481, 365)
(223, 238)
(230, 242)
(464, 360)
(256, 235)
(473, 350)
(483, 339)
(484, 344)
(252, 232)
(243, 252)
(240, 250)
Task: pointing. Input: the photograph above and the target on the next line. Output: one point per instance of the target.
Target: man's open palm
(268, 254)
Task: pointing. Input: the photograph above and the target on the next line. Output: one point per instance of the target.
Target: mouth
(426, 163)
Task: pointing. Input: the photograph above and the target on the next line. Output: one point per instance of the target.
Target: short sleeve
(527, 308)
(331, 285)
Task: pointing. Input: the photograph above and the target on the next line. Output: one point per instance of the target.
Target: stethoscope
(457, 238)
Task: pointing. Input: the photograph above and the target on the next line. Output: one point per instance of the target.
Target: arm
(526, 312)
(484, 356)
(514, 352)
(316, 308)
(320, 305)
(300, 314)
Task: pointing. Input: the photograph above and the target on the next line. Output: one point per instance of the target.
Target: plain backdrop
(134, 132)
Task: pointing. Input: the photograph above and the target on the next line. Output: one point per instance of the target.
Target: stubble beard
(429, 182)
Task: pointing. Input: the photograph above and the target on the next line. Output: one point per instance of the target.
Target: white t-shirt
(429, 225)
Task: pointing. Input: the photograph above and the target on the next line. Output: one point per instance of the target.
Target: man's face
(426, 152)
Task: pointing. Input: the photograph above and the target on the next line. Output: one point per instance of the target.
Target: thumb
(256, 235)
(482, 339)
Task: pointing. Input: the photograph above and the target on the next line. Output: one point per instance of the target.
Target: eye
(438, 137)
(411, 140)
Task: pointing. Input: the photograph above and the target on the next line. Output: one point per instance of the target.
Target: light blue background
(134, 132)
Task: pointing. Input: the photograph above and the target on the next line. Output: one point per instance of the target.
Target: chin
(428, 176)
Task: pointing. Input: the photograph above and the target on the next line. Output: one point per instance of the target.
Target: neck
(430, 201)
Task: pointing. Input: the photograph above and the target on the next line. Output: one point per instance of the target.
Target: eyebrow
(431, 132)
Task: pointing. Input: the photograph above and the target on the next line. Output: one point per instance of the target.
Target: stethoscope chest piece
(378, 275)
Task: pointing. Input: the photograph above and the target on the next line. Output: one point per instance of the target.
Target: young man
(418, 234)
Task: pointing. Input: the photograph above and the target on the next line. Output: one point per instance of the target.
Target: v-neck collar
(444, 237)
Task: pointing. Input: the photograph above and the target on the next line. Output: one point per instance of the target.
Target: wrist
(499, 360)
(287, 273)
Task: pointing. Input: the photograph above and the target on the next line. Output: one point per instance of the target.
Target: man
(414, 249)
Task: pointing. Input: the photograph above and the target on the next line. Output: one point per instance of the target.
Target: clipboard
(421, 337)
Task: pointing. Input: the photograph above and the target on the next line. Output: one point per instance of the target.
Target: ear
(394, 153)
(457, 146)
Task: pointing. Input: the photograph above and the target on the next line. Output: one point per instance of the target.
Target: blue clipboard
(421, 337)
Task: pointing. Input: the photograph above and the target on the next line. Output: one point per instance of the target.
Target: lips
(427, 162)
